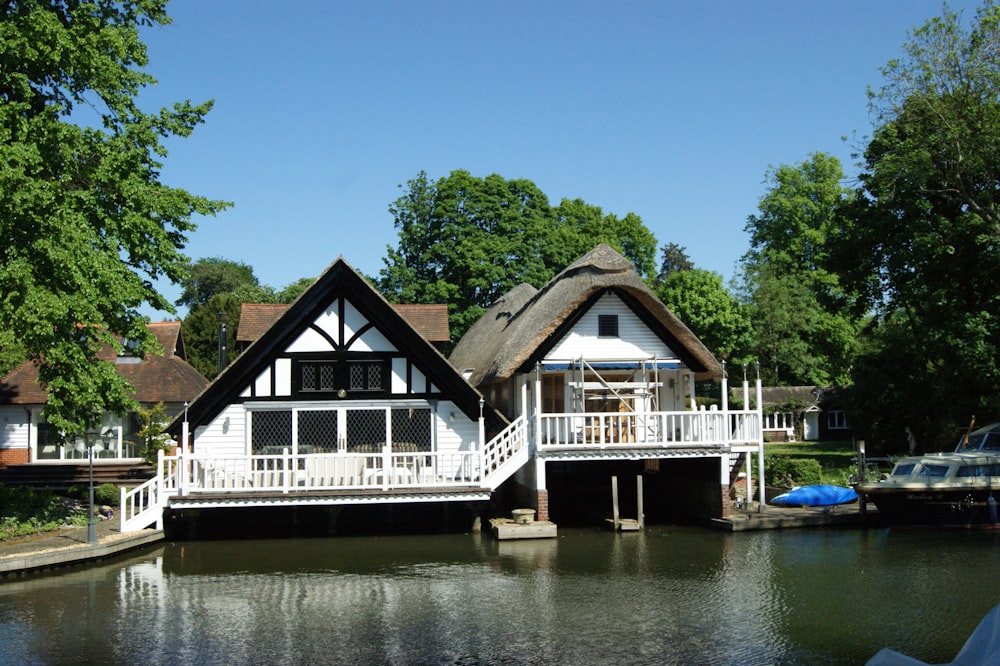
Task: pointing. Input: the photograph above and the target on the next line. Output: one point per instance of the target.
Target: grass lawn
(834, 457)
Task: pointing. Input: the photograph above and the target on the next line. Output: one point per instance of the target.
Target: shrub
(107, 493)
(27, 511)
(787, 471)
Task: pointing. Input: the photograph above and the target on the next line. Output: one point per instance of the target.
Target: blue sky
(670, 110)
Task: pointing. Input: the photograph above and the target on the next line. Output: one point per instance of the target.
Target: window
(324, 376)
(607, 326)
(318, 376)
(365, 375)
(271, 431)
(836, 419)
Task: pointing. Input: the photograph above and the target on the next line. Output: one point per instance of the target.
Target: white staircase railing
(505, 454)
(143, 506)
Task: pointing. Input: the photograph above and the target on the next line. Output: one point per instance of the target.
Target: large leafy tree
(700, 299)
(466, 241)
(215, 275)
(921, 242)
(87, 224)
(805, 325)
(217, 287)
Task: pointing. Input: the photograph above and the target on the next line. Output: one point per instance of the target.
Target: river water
(666, 595)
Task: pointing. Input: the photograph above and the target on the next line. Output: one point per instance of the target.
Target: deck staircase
(61, 476)
(736, 464)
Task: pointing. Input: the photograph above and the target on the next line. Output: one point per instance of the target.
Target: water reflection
(663, 595)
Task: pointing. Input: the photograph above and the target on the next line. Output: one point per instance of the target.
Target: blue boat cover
(817, 495)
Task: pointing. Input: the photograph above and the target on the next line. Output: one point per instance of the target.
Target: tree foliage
(201, 328)
(700, 299)
(921, 241)
(805, 327)
(466, 241)
(87, 225)
(673, 258)
(212, 276)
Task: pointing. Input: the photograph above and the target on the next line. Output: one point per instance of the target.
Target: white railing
(143, 506)
(626, 430)
(286, 472)
(506, 453)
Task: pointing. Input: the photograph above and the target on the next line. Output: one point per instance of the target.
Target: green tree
(201, 332)
(700, 299)
(294, 290)
(466, 241)
(673, 258)
(217, 287)
(921, 241)
(152, 439)
(211, 276)
(805, 324)
(87, 225)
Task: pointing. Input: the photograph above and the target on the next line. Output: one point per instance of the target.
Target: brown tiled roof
(168, 334)
(167, 378)
(255, 318)
(431, 321)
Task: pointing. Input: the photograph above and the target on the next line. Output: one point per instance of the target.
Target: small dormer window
(127, 353)
(607, 326)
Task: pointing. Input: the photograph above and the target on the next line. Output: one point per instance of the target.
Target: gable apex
(340, 312)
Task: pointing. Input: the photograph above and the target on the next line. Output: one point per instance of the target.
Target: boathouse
(342, 401)
(604, 375)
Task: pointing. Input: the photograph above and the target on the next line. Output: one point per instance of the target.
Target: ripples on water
(664, 596)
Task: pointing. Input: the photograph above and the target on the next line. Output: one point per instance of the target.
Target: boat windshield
(903, 469)
(984, 439)
(927, 469)
(979, 470)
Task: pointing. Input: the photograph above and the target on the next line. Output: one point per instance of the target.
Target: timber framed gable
(341, 341)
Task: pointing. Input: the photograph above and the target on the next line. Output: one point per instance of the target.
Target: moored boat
(957, 488)
(816, 495)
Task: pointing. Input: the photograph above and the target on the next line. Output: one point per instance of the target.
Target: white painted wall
(226, 435)
(16, 427)
(634, 341)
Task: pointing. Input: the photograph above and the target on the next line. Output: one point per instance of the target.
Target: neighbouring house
(804, 413)
(343, 399)
(166, 378)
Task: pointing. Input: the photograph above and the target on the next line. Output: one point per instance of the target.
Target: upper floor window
(355, 376)
(607, 326)
(365, 375)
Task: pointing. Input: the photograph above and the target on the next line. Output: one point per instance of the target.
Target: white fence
(603, 430)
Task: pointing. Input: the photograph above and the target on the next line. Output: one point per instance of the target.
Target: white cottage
(601, 370)
(167, 377)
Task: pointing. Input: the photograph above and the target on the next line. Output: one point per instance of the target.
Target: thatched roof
(522, 325)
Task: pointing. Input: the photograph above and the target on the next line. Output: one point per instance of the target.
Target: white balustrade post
(182, 486)
(760, 441)
(727, 431)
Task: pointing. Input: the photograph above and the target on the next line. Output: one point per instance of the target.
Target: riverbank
(68, 547)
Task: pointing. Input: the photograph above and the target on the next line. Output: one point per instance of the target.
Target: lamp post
(89, 439)
(223, 319)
